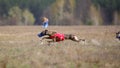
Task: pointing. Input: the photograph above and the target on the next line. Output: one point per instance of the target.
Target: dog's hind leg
(81, 39)
(75, 38)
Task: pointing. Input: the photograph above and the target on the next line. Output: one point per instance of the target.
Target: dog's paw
(41, 43)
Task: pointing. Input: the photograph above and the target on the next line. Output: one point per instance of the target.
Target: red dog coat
(58, 36)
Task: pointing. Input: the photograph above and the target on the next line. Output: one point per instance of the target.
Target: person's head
(43, 19)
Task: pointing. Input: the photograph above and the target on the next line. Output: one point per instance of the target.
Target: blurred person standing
(44, 21)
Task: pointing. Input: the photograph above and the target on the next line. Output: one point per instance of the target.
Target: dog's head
(46, 32)
(43, 33)
(118, 35)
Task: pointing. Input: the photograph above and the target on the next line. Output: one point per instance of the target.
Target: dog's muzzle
(40, 34)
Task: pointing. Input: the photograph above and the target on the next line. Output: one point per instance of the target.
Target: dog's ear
(46, 31)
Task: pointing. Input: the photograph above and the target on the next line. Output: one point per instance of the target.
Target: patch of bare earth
(21, 48)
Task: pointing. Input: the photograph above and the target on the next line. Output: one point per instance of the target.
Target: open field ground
(21, 48)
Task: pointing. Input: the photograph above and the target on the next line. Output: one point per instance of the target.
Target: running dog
(118, 35)
(57, 37)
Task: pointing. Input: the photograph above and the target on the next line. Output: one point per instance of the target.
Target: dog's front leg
(52, 41)
(43, 39)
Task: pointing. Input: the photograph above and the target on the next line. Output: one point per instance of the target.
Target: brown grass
(20, 48)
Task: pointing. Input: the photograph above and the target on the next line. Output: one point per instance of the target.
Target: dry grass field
(21, 48)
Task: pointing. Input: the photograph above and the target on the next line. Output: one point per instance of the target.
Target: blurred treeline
(60, 12)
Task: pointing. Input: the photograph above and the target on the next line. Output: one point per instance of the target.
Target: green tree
(15, 14)
(36, 7)
(108, 4)
(28, 18)
(108, 8)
